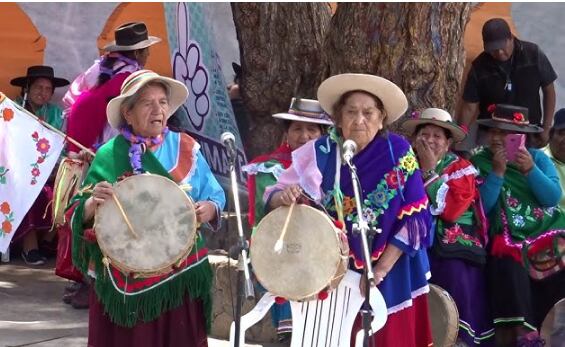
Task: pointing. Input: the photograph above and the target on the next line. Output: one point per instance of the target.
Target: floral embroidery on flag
(42, 146)
(7, 114)
(6, 226)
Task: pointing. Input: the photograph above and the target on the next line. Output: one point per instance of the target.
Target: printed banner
(28, 154)
(195, 62)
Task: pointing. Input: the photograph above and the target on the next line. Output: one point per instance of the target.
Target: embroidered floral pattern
(7, 114)
(520, 214)
(455, 234)
(3, 172)
(518, 221)
(538, 213)
(6, 226)
(377, 201)
(42, 146)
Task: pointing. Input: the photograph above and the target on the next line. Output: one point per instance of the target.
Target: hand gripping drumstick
(279, 244)
(130, 227)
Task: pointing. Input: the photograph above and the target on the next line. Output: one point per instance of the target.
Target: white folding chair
(322, 323)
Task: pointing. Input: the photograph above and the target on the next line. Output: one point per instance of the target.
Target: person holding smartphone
(519, 189)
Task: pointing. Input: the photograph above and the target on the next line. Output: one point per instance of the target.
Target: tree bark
(419, 46)
(281, 49)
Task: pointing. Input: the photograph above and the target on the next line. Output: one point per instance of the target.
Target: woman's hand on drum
(286, 197)
(101, 192)
(205, 211)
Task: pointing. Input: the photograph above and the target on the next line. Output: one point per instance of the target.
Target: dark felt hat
(559, 120)
(38, 71)
(510, 118)
(130, 37)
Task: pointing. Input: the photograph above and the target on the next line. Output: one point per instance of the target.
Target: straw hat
(438, 117)
(392, 97)
(305, 110)
(134, 82)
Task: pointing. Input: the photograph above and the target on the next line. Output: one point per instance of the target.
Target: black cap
(559, 119)
(495, 34)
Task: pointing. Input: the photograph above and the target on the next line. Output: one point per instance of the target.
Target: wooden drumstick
(130, 227)
(279, 244)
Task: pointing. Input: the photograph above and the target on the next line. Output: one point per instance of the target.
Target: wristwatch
(426, 174)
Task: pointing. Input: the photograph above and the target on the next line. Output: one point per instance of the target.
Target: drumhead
(310, 256)
(444, 316)
(162, 216)
(553, 327)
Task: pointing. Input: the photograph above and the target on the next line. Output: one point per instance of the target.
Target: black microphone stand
(367, 235)
(244, 284)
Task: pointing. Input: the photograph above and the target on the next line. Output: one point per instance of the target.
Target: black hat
(559, 120)
(37, 71)
(510, 118)
(236, 70)
(495, 34)
(130, 37)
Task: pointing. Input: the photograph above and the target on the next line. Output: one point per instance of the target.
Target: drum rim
(450, 339)
(144, 273)
(339, 260)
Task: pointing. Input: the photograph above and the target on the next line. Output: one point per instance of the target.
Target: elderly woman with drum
(458, 254)
(134, 226)
(393, 196)
(304, 121)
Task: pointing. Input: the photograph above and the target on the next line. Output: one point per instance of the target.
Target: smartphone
(512, 144)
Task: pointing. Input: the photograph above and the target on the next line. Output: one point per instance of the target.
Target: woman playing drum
(172, 308)
(304, 121)
(393, 196)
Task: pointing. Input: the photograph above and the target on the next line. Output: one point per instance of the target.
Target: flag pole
(49, 126)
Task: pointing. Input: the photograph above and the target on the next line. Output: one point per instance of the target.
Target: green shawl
(110, 164)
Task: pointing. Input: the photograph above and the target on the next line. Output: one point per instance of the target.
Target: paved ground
(32, 313)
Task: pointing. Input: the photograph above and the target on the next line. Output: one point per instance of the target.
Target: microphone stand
(244, 284)
(367, 235)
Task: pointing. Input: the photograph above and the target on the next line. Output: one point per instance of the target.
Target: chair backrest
(328, 323)
(323, 323)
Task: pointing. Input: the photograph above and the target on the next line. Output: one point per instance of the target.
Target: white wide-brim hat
(177, 94)
(437, 117)
(305, 110)
(392, 97)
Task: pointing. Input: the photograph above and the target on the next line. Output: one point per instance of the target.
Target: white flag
(28, 154)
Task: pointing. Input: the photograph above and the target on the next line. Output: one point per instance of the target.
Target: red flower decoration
(35, 172)
(338, 224)
(7, 114)
(280, 300)
(5, 208)
(465, 128)
(491, 108)
(35, 135)
(323, 295)
(519, 117)
(6, 226)
(393, 177)
(43, 146)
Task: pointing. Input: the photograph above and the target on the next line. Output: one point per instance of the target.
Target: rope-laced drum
(312, 257)
(67, 183)
(148, 227)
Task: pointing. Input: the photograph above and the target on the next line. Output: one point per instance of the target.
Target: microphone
(349, 149)
(228, 139)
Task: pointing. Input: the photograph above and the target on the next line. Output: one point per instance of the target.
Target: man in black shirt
(510, 71)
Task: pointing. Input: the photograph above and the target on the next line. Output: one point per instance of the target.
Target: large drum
(313, 258)
(148, 228)
(67, 183)
(444, 317)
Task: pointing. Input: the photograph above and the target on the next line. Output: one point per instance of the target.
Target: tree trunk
(281, 48)
(419, 46)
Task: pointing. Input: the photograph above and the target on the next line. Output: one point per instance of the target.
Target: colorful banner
(195, 62)
(28, 154)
